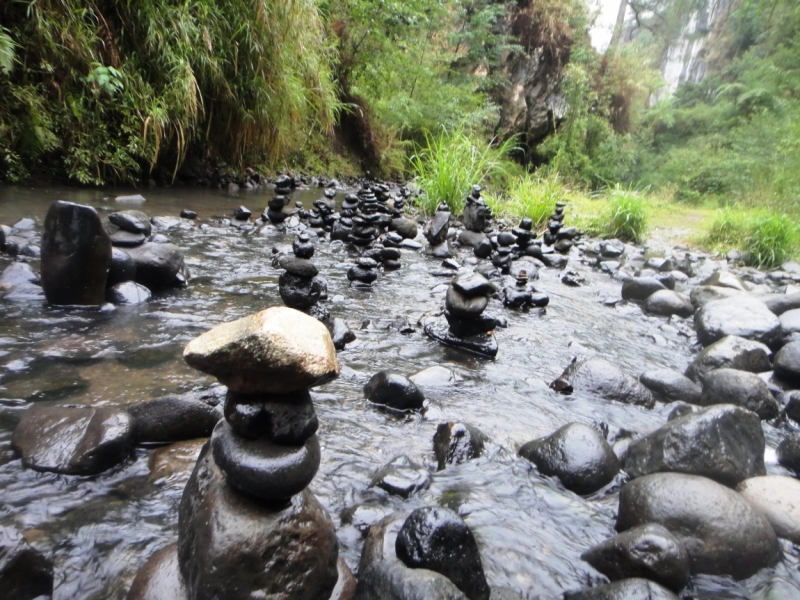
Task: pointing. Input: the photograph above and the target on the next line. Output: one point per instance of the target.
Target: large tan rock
(779, 499)
(277, 351)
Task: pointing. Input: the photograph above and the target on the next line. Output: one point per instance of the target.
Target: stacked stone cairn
(436, 231)
(248, 525)
(323, 215)
(524, 234)
(476, 218)
(522, 295)
(274, 212)
(364, 273)
(284, 185)
(299, 285)
(554, 224)
(504, 251)
(464, 325)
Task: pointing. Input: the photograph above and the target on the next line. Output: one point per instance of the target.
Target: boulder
(790, 322)
(462, 306)
(128, 293)
(789, 452)
(627, 589)
(121, 269)
(666, 303)
(405, 227)
(277, 351)
(394, 391)
(288, 419)
(781, 303)
(721, 533)
(787, 362)
(401, 477)
(172, 419)
(25, 574)
(640, 288)
(160, 578)
(731, 386)
(438, 539)
(779, 499)
(76, 253)
(235, 547)
(671, 386)
(731, 352)
(703, 294)
(381, 574)
(157, 265)
(723, 442)
(73, 440)
(745, 317)
(262, 468)
(577, 454)
(648, 551)
(455, 443)
(726, 279)
(599, 377)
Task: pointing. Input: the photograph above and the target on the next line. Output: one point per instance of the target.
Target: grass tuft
(529, 196)
(624, 217)
(768, 238)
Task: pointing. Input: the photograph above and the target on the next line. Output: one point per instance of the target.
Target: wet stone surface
(531, 532)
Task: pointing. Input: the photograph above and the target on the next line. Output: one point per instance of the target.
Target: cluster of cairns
(248, 525)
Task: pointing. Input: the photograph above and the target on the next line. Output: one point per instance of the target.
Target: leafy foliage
(528, 196)
(768, 239)
(624, 217)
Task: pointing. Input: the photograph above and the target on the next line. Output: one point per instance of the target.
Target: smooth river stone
(73, 440)
(741, 316)
(262, 468)
(462, 306)
(277, 351)
(778, 498)
(157, 265)
(76, 253)
(285, 419)
(160, 578)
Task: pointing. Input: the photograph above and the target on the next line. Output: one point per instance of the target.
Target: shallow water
(530, 530)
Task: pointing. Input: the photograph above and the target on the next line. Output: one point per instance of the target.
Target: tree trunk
(623, 8)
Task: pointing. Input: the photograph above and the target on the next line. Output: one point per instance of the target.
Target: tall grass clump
(767, 238)
(624, 217)
(448, 164)
(528, 196)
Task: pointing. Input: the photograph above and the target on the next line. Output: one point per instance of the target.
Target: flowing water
(531, 531)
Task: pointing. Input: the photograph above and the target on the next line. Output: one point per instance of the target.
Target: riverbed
(530, 530)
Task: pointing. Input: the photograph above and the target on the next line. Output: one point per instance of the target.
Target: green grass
(528, 196)
(624, 216)
(450, 163)
(768, 238)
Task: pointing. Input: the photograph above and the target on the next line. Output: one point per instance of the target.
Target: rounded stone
(172, 419)
(787, 362)
(577, 454)
(742, 316)
(263, 468)
(599, 377)
(128, 293)
(640, 288)
(666, 303)
(789, 452)
(671, 386)
(25, 573)
(721, 533)
(300, 267)
(778, 498)
(731, 352)
(462, 306)
(731, 386)
(121, 269)
(276, 351)
(285, 418)
(394, 391)
(157, 265)
(455, 443)
(299, 292)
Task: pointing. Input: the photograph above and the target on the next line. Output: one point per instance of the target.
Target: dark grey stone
(671, 386)
(121, 269)
(472, 285)
(435, 230)
(288, 419)
(300, 267)
(599, 377)
(172, 419)
(126, 239)
(781, 303)
(731, 386)
(789, 452)
(462, 306)
(401, 477)
(731, 352)
(157, 265)
(393, 391)
(128, 292)
(297, 292)
(640, 288)
(133, 221)
(742, 316)
(787, 362)
(25, 573)
(405, 227)
(455, 443)
(160, 578)
(666, 303)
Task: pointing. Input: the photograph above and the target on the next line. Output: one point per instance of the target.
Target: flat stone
(778, 498)
(236, 547)
(723, 442)
(72, 440)
(472, 285)
(25, 573)
(787, 362)
(76, 253)
(188, 214)
(455, 443)
(483, 344)
(435, 376)
(130, 198)
(160, 578)
(298, 266)
(401, 477)
(17, 273)
(262, 468)
(438, 540)
(721, 533)
(599, 377)
(172, 419)
(671, 386)
(394, 391)
(648, 551)
(157, 265)
(462, 306)
(276, 351)
(126, 239)
(640, 288)
(133, 221)
(743, 316)
(726, 279)
(577, 454)
(731, 386)
(627, 589)
(128, 293)
(288, 419)
(470, 238)
(703, 294)
(435, 230)
(731, 352)
(666, 303)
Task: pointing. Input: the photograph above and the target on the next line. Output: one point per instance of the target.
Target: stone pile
(504, 252)
(323, 215)
(522, 295)
(476, 218)
(299, 286)
(274, 212)
(524, 234)
(364, 272)
(248, 525)
(436, 229)
(554, 224)
(464, 325)
(284, 185)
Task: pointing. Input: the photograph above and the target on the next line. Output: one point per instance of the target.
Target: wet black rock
(341, 334)
(160, 578)
(789, 452)
(627, 589)
(438, 539)
(300, 267)
(157, 265)
(471, 238)
(721, 533)
(483, 344)
(133, 221)
(303, 247)
(436, 229)
(76, 253)
(462, 306)
(476, 213)
(599, 377)
(172, 419)
(288, 419)
(188, 214)
(731, 386)
(648, 551)
(455, 443)
(466, 327)
(299, 292)
(364, 272)
(25, 573)
(472, 285)
(666, 303)
(128, 293)
(126, 239)
(406, 228)
(723, 442)
(731, 352)
(577, 454)
(741, 316)
(483, 249)
(671, 386)
(787, 362)
(401, 477)
(73, 440)
(242, 213)
(235, 547)
(122, 268)
(792, 407)
(262, 468)
(640, 288)
(394, 391)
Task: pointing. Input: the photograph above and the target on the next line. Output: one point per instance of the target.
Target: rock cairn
(299, 285)
(274, 212)
(284, 185)
(476, 213)
(554, 224)
(323, 214)
(248, 527)
(364, 272)
(522, 295)
(524, 234)
(465, 326)
(504, 252)
(436, 231)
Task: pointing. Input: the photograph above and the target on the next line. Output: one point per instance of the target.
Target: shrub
(624, 217)
(528, 196)
(768, 238)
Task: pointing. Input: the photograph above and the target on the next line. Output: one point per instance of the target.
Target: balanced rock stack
(349, 205)
(284, 185)
(364, 230)
(387, 255)
(465, 324)
(364, 273)
(436, 231)
(299, 286)
(554, 224)
(522, 295)
(476, 218)
(504, 252)
(524, 234)
(324, 214)
(248, 527)
(274, 212)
